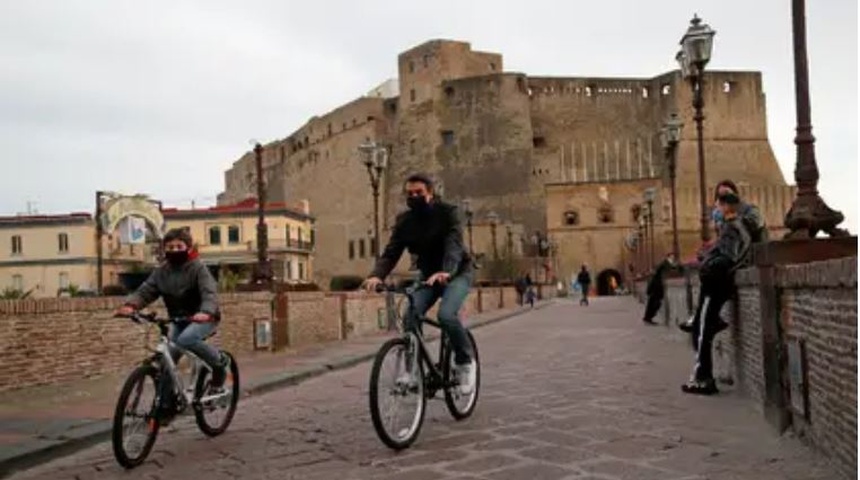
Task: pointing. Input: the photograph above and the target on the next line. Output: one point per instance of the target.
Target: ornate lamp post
(808, 213)
(467, 210)
(695, 53)
(670, 136)
(375, 159)
(263, 273)
(510, 245)
(493, 219)
(646, 258)
(650, 194)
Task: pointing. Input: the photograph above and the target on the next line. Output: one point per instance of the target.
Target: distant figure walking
(584, 279)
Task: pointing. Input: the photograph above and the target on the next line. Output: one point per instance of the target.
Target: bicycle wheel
(214, 413)
(461, 406)
(136, 414)
(391, 392)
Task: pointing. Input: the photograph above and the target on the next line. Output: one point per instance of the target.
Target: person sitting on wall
(754, 224)
(716, 276)
(656, 290)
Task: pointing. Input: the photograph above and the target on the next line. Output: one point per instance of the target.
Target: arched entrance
(604, 283)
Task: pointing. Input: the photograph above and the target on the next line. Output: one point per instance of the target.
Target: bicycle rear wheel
(397, 403)
(135, 414)
(214, 413)
(459, 405)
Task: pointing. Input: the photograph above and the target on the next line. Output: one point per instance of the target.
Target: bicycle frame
(412, 332)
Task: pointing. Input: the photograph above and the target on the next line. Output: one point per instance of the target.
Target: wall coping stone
(836, 273)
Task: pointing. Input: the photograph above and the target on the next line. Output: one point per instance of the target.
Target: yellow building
(226, 237)
(45, 254)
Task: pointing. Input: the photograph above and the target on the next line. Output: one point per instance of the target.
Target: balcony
(284, 245)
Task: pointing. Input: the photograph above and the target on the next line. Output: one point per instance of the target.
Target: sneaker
(700, 387)
(219, 376)
(466, 377)
(649, 321)
(687, 326)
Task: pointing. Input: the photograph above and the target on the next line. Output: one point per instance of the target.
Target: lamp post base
(809, 215)
(263, 272)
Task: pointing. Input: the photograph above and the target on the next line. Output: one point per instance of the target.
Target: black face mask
(417, 204)
(176, 258)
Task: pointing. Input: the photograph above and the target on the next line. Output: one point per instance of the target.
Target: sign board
(797, 375)
(132, 231)
(118, 208)
(262, 334)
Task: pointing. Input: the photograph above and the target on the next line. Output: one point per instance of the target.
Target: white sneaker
(466, 376)
(406, 379)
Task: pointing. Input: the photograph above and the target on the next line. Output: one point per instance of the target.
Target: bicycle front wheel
(397, 401)
(461, 405)
(214, 411)
(135, 420)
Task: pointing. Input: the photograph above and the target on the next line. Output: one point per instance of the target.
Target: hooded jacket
(435, 235)
(730, 252)
(186, 289)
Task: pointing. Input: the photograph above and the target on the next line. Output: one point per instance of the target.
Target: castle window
(412, 95)
(571, 218)
(588, 91)
(411, 66)
(412, 147)
(727, 86)
(492, 66)
(354, 122)
(370, 118)
(449, 92)
(665, 89)
(447, 138)
(352, 249)
(426, 61)
(539, 142)
(361, 252)
(604, 215)
(344, 125)
(644, 92)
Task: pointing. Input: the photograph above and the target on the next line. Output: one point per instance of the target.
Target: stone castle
(566, 156)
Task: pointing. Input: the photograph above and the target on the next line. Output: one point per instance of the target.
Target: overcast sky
(162, 96)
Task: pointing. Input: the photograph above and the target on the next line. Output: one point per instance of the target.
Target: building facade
(48, 254)
(501, 139)
(226, 237)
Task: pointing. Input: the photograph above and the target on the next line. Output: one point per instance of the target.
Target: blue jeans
(190, 336)
(453, 295)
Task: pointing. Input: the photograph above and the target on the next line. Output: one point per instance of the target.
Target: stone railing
(791, 348)
(45, 341)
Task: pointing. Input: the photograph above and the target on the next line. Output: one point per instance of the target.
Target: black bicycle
(145, 403)
(405, 376)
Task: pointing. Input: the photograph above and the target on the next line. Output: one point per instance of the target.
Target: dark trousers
(653, 306)
(453, 295)
(584, 299)
(706, 329)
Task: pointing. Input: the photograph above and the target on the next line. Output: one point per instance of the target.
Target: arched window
(571, 218)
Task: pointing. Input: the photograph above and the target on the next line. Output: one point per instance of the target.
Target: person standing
(584, 279)
(656, 290)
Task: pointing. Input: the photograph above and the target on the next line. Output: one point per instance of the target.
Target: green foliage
(343, 283)
(228, 279)
(10, 293)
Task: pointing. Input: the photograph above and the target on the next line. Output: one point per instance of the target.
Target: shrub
(343, 283)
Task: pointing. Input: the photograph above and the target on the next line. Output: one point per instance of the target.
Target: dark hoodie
(186, 289)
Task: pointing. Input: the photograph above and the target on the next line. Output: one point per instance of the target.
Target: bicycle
(427, 377)
(157, 368)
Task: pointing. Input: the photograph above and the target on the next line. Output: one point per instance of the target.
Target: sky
(160, 97)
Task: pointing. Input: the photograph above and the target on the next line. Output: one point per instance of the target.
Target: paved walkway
(568, 393)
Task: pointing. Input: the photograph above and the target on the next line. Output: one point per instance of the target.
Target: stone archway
(603, 281)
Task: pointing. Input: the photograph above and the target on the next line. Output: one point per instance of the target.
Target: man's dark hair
(725, 183)
(421, 178)
(178, 234)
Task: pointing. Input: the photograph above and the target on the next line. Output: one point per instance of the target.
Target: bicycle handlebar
(140, 317)
(408, 290)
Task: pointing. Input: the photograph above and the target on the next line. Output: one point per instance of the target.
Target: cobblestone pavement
(568, 392)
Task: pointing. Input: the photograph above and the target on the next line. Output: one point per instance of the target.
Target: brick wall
(816, 303)
(48, 341)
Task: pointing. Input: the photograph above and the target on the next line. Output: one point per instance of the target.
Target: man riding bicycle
(431, 230)
(189, 292)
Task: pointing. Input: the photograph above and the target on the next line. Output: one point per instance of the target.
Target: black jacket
(435, 236)
(186, 290)
(730, 252)
(655, 284)
(584, 277)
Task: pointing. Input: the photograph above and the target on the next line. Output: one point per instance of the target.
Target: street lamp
(263, 273)
(510, 246)
(467, 210)
(650, 194)
(493, 219)
(695, 53)
(670, 136)
(808, 213)
(643, 234)
(375, 159)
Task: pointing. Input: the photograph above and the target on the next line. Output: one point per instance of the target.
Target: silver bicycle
(155, 392)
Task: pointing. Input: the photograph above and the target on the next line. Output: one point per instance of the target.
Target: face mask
(176, 258)
(417, 204)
